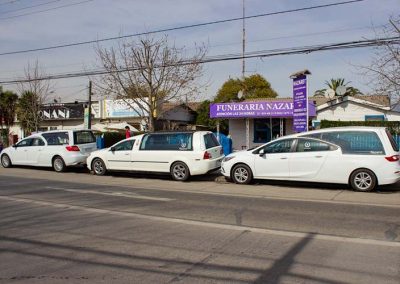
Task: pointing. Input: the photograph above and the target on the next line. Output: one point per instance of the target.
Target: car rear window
(210, 141)
(84, 137)
(392, 141)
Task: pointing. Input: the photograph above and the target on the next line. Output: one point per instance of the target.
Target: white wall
(351, 111)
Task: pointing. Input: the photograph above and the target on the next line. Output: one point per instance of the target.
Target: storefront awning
(257, 109)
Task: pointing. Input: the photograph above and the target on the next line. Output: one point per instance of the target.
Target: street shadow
(162, 176)
(281, 267)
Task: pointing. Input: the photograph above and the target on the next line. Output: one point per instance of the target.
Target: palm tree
(335, 83)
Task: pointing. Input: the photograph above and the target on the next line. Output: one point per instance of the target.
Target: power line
(29, 7)
(179, 28)
(46, 10)
(9, 2)
(228, 57)
(231, 43)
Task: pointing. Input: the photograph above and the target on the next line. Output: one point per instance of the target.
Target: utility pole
(243, 40)
(247, 120)
(90, 106)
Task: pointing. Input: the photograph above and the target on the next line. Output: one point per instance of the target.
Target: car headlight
(228, 158)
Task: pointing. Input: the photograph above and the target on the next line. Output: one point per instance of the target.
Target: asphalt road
(76, 228)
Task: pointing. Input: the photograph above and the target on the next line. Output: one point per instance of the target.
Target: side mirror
(112, 149)
(261, 153)
(15, 146)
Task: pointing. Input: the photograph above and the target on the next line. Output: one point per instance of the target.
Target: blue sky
(106, 18)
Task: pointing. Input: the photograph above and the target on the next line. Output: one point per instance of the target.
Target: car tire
(6, 161)
(363, 180)
(242, 174)
(99, 167)
(59, 164)
(180, 171)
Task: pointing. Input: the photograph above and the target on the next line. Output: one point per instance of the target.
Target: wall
(178, 114)
(351, 111)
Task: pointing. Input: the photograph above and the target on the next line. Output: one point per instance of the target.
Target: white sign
(121, 108)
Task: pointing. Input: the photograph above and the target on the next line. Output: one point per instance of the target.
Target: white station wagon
(363, 157)
(57, 148)
(181, 154)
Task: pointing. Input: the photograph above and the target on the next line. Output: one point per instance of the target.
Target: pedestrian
(127, 132)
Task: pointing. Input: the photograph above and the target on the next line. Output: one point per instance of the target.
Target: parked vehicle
(58, 149)
(181, 154)
(363, 157)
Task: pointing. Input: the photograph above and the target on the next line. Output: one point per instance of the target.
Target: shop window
(262, 129)
(374, 118)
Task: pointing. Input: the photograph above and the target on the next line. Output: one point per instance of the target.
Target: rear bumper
(75, 159)
(205, 166)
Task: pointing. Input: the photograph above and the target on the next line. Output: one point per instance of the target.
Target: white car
(181, 154)
(57, 148)
(363, 157)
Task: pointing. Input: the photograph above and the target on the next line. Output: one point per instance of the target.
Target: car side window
(25, 143)
(37, 142)
(356, 142)
(309, 145)
(56, 138)
(167, 142)
(282, 146)
(124, 146)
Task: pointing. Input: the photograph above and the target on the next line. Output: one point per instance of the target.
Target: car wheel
(98, 167)
(58, 164)
(6, 161)
(180, 171)
(242, 174)
(363, 180)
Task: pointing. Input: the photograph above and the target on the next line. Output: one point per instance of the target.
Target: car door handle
(284, 158)
(127, 154)
(318, 156)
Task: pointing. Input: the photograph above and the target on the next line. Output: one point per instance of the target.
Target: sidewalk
(215, 184)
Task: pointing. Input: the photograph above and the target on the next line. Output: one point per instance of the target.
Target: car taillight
(72, 148)
(393, 158)
(206, 156)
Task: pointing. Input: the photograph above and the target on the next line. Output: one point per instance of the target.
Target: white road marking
(330, 201)
(121, 194)
(208, 224)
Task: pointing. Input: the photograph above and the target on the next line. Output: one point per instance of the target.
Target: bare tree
(34, 92)
(384, 70)
(149, 72)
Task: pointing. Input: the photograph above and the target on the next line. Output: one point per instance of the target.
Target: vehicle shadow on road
(383, 189)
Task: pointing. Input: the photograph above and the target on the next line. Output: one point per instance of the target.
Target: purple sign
(255, 109)
(300, 117)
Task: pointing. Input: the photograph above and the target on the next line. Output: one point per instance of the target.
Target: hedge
(393, 126)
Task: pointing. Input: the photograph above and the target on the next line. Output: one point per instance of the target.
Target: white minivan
(57, 148)
(181, 154)
(363, 157)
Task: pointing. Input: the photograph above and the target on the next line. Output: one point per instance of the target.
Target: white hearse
(181, 154)
(363, 157)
